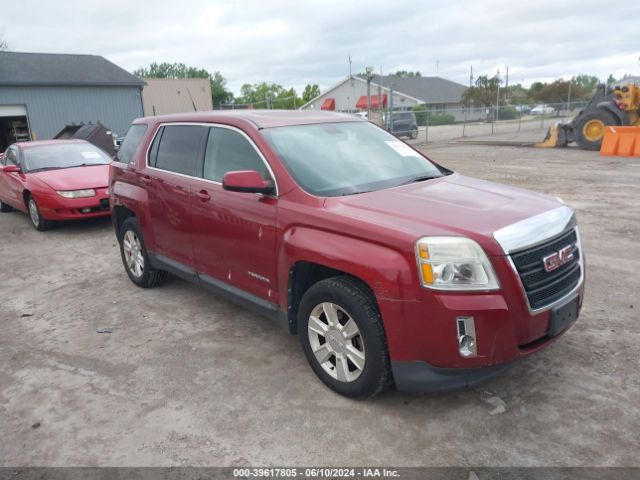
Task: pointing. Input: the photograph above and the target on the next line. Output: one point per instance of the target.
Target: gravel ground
(186, 378)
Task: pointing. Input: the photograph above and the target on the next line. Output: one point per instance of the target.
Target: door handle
(203, 195)
(145, 179)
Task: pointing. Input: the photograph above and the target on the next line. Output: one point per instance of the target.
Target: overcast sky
(298, 42)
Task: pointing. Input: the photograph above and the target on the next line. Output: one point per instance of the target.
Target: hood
(450, 205)
(78, 178)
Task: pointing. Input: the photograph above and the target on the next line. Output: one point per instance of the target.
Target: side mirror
(11, 169)
(247, 181)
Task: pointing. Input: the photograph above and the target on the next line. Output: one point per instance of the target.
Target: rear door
(172, 161)
(235, 237)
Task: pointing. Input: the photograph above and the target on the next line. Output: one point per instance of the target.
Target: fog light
(86, 210)
(467, 345)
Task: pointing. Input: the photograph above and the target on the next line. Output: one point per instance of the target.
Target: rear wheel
(414, 133)
(341, 333)
(591, 126)
(41, 224)
(4, 208)
(135, 257)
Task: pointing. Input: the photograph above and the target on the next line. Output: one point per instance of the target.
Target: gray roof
(18, 68)
(425, 89)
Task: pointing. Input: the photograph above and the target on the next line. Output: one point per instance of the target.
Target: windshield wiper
(420, 179)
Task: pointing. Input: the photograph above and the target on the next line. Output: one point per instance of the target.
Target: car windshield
(333, 159)
(63, 155)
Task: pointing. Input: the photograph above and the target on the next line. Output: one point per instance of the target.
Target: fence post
(427, 128)
(464, 122)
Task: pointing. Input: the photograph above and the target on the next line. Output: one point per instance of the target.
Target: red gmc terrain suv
(390, 268)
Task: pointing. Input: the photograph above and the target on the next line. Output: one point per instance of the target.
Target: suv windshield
(63, 155)
(333, 159)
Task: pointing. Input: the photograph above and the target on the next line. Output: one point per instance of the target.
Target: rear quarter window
(131, 143)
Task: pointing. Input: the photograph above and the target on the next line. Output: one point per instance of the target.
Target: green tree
(268, 95)
(310, 92)
(484, 92)
(406, 74)
(611, 79)
(219, 93)
(586, 83)
(557, 92)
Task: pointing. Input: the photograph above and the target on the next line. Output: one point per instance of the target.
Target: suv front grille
(541, 287)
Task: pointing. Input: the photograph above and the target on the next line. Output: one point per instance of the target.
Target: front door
(235, 237)
(171, 167)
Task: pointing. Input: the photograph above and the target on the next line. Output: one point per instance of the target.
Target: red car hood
(96, 176)
(451, 205)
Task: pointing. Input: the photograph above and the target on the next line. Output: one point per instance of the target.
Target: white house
(350, 95)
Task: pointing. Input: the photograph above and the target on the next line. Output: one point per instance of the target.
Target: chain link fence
(433, 125)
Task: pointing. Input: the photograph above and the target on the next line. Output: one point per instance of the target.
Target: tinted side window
(131, 142)
(228, 151)
(178, 148)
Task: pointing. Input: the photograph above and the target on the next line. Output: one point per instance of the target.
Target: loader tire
(590, 127)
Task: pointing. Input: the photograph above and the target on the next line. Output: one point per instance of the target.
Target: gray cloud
(298, 42)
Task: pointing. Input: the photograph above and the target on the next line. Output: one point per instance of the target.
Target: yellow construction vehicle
(616, 105)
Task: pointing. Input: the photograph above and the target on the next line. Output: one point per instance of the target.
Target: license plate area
(562, 317)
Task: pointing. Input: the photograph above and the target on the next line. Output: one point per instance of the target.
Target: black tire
(600, 114)
(355, 298)
(150, 276)
(4, 208)
(39, 223)
(414, 133)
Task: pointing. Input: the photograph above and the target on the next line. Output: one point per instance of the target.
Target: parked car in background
(523, 109)
(389, 267)
(542, 109)
(402, 124)
(55, 180)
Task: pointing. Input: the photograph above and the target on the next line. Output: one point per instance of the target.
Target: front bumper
(55, 207)
(422, 377)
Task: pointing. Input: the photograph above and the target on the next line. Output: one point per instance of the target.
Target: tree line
(484, 92)
(257, 95)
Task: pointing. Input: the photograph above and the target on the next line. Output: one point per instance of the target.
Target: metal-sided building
(40, 93)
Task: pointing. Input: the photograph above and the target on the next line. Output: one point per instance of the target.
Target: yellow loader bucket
(551, 140)
(621, 142)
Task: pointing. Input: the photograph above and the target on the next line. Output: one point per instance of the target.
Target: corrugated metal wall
(51, 108)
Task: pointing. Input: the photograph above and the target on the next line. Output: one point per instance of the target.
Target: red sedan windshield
(64, 155)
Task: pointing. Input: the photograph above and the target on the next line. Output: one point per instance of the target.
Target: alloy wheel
(33, 212)
(133, 253)
(336, 342)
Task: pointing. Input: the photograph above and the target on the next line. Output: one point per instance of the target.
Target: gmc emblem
(557, 259)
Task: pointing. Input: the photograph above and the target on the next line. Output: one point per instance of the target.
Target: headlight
(454, 263)
(89, 192)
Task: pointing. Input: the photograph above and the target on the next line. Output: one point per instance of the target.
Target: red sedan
(55, 180)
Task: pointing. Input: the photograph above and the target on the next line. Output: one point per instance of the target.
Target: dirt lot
(186, 378)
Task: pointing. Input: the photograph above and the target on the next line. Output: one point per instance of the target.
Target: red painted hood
(451, 205)
(96, 176)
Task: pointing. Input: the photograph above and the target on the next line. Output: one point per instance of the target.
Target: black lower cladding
(543, 287)
(562, 317)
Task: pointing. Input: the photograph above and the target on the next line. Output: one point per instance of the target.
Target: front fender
(390, 275)
(621, 115)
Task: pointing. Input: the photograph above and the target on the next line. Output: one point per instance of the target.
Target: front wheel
(590, 128)
(341, 334)
(39, 223)
(414, 133)
(135, 257)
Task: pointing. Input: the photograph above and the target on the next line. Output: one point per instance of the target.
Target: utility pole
(350, 66)
(569, 96)
(369, 71)
(498, 97)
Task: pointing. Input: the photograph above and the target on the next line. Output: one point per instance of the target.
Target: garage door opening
(14, 125)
